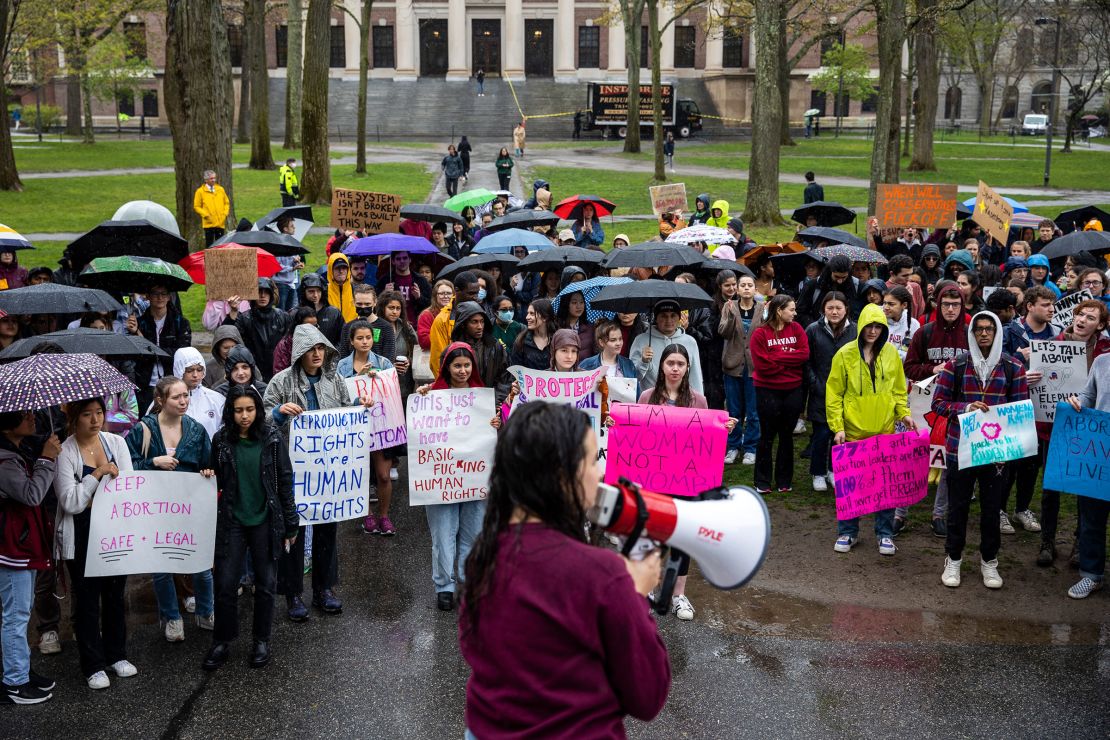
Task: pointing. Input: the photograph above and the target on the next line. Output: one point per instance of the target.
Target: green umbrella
(476, 197)
(134, 274)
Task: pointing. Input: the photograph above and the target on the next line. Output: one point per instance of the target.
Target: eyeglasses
(983, 330)
(1091, 283)
(950, 305)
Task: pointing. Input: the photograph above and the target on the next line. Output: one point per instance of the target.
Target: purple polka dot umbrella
(42, 381)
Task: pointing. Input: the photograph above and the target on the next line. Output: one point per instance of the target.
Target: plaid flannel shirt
(995, 393)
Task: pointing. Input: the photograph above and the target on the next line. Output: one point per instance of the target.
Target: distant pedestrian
(518, 139)
(481, 77)
(668, 151)
(211, 203)
(453, 169)
(504, 166)
(17, 116)
(464, 154)
(577, 124)
(288, 185)
(813, 191)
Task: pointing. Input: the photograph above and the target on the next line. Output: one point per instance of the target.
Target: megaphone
(725, 530)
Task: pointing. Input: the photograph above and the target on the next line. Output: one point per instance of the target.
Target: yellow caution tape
(524, 117)
(724, 118)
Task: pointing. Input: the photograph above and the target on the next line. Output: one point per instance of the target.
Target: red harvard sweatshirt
(779, 358)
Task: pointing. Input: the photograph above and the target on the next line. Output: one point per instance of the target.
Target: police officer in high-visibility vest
(287, 183)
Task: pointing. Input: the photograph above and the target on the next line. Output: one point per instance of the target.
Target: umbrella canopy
(523, 220)
(506, 262)
(827, 213)
(571, 208)
(279, 245)
(52, 298)
(1025, 220)
(503, 242)
(513, 204)
(815, 234)
(856, 254)
(590, 290)
(148, 210)
(652, 254)
(42, 381)
(643, 295)
(128, 238)
(1095, 242)
(302, 220)
(557, 258)
(1075, 219)
(962, 211)
(430, 213)
(701, 233)
(134, 274)
(476, 197)
(715, 266)
(379, 244)
(100, 342)
(268, 266)
(436, 260)
(11, 240)
(1018, 207)
(752, 255)
(812, 112)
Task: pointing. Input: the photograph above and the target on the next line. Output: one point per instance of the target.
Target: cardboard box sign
(230, 272)
(920, 206)
(360, 210)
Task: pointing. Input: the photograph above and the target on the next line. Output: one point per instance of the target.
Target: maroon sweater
(564, 646)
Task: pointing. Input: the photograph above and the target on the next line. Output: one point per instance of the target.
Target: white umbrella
(148, 210)
(701, 233)
(812, 112)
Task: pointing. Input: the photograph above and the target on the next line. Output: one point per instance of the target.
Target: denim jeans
(287, 296)
(741, 405)
(1093, 513)
(819, 450)
(454, 529)
(884, 525)
(17, 593)
(166, 594)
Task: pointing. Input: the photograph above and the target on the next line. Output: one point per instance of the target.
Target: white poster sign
(330, 452)
(1064, 365)
(451, 445)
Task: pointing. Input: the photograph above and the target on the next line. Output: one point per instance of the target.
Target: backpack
(960, 367)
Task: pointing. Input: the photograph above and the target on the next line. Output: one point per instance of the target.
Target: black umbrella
(1073, 220)
(714, 266)
(53, 298)
(814, 234)
(559, 257)
(1095, 242)
(90, 341)
(279, 245)
(523, 219)
(643, 295)
(430, 213)
(128, 238)
(962, 211)
(827, 213)
(653, 254)
(301, 213)
(506, 262)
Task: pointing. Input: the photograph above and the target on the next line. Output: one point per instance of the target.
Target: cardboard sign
(1000, 434)
(1064, 309)
(154, 521)
(386, 418)
(1064, 365)
(451, 445)
(921, 411)
(882, 472)
(371, 213)
(1078, 459)
(330, 453)
(993, 213)
(919, 206)
(667, 198)
(667, 449)
(230, 272)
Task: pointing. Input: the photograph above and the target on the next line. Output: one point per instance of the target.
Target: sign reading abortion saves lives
(1078, 459)
(152, 522)
(1000, 434)
(882, 472)
(330, 452)
(385, 417)
(450, 445)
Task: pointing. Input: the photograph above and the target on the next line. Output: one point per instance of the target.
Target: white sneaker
(800, 427)
(831, 479)
(845, 543)
(730, 456)
(989, 569)
(1084, 588)
(49, 644)
(99, 680)
(393, 474)
(951, 575)
(190, 604)
(886, 546)
(819, 484)
(1027, 521)
(682, 608)
(174, 630)
(124, 668)
(1004, 525)
(207, 623)
(749, 458)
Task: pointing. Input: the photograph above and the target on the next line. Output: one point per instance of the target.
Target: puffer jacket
(864, 401)
(292, 385)
(722, 221)
(823, 346)
(263, 328)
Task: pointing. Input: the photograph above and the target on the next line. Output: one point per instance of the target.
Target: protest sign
(1078, 459)
(371, 213)
(993, 213)
(330, 453)
(386, 417)
(668, 198)
(916, 205)
(154, 521)
(921, 411)
(1064, 365)
(621, 390)
(881, 472)
(1063, 310)
(230, 272)
(1000, 434)
(451, 445)
(667, 449)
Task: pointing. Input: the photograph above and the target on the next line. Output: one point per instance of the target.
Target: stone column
(456, 41)
(513, 40)
(715, 43)
(404, 40)
(666, 53)
(616, 45)
(350, 34)
(566, 39)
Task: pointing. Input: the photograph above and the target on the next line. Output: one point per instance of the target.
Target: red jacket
(779, 357)
(26, 532)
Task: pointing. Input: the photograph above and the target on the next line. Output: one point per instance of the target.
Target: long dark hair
(302, 313)
(231, 429)
(535, 467)
(542, 307)
(659, 392)
(76, 408)
(722, 277)
(562, 318)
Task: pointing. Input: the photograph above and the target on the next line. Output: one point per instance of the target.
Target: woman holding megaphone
(555, 631)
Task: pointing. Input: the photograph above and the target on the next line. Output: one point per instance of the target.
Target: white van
(1035, 124)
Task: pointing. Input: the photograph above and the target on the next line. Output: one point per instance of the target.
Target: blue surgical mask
(505, 316)
(481, 294)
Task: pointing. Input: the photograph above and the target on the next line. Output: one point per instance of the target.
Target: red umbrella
(571, 208)
(268, 266)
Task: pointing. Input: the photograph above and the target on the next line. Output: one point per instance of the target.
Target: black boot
(445, 601)
(260, 656)
(217, 656)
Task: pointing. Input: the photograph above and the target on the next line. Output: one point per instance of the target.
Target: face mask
(364, 311)
(481, 294)
(505, 316)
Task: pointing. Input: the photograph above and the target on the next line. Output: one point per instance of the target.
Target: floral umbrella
(855, 254)
(42, 381)
(701, 233)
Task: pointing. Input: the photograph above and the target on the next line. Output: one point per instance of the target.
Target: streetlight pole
(1052, 96)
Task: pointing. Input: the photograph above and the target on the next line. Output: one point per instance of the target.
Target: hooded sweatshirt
(13, 276)
(1039, 260)
(930, 277)
(961, 256)
(326, 390)
(443, 380)
(648, 370)
(26, 532)
(214, 373)
(722, 220)
(490, 354)
(341, 296)
(901, 332)
(238, 354)
(205, 405)
(701, 210)
(938, 341)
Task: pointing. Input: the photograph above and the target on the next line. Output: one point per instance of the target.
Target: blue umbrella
(502, 242)
(379, 244)
(1018, 207)
(589, 290)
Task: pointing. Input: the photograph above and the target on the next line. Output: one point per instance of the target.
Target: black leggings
(778, 414)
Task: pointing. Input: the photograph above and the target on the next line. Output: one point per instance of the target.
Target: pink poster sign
(881, 472)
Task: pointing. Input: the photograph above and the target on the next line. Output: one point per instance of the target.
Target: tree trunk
(928, 88)
(255, 17)
(316, 183)
(86, 98)
(890, 32)
(73, 99)
(655, 38)
(363, 73)
(295, 37)
(198, 103)
(631, 11)
(1069, 134)
(908, 101)
(9, 175)
(243, 124)
(785, 138)
(762, 206)
(986, 99)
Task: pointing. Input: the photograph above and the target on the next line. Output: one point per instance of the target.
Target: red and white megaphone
(725, 530)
